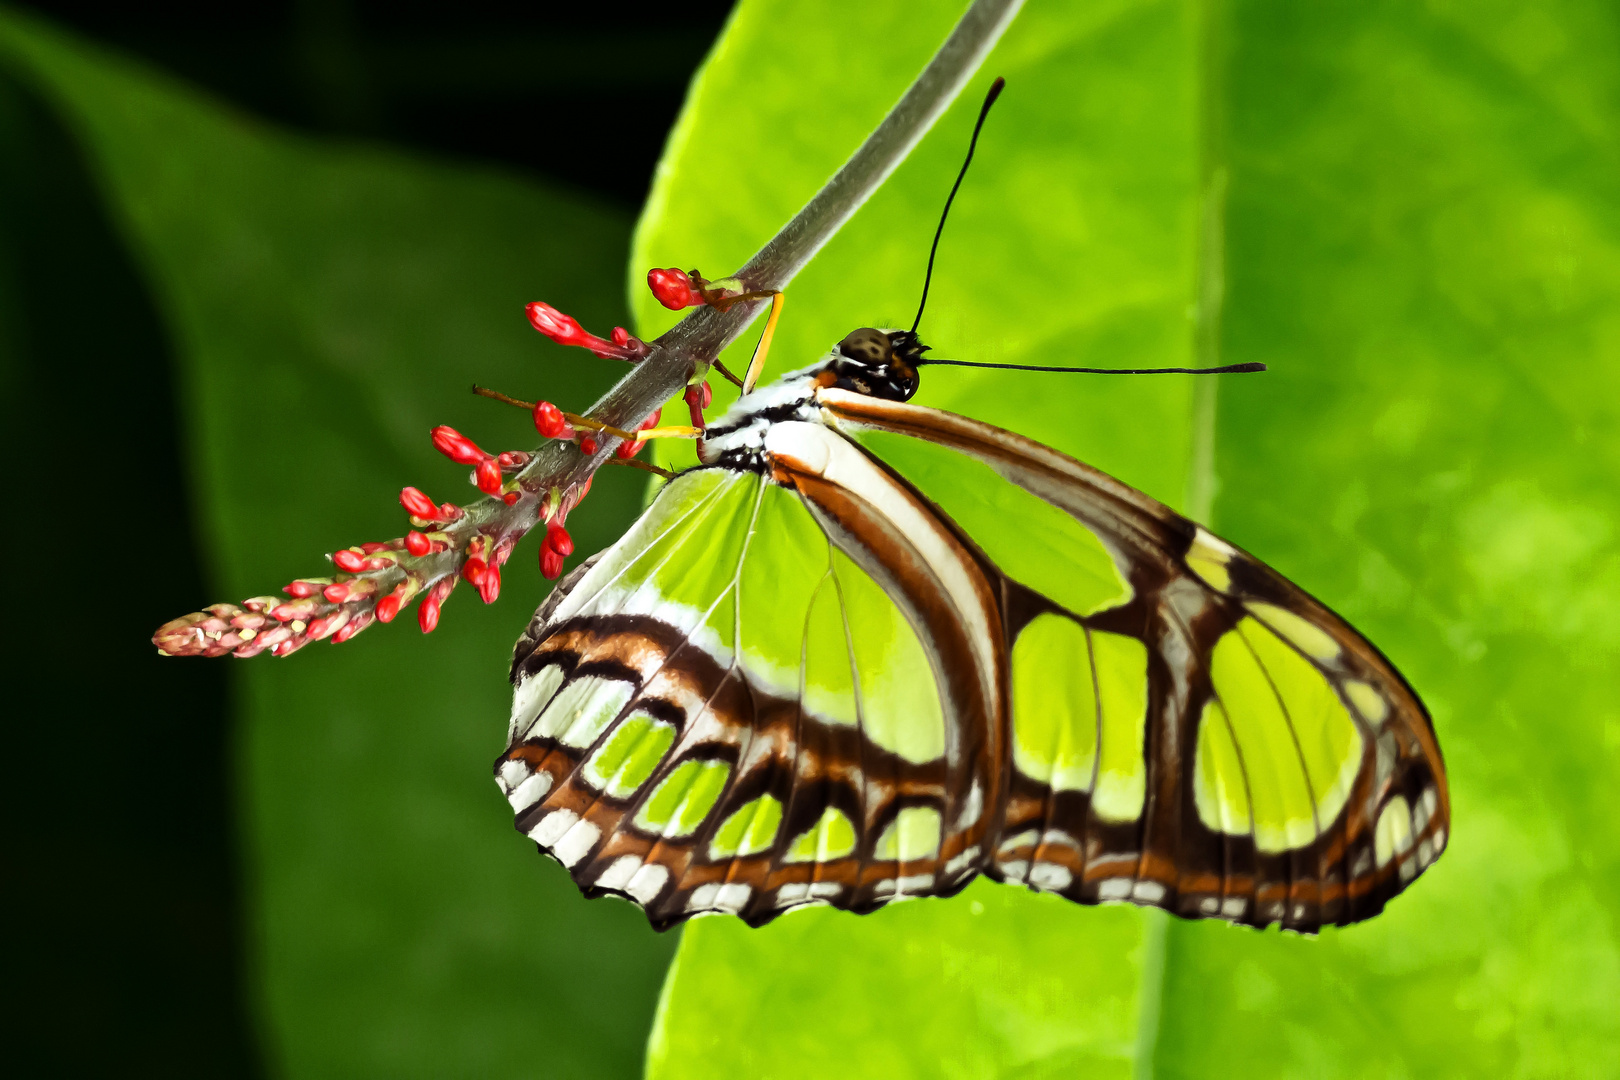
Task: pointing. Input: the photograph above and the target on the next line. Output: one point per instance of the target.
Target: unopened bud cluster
(448, 543)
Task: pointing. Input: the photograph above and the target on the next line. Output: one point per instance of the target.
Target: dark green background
(223, 340)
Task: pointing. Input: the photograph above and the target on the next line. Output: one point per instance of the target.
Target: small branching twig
(450, 543)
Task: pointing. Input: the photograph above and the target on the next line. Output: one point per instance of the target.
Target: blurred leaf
(1411, 211)
(331, 302)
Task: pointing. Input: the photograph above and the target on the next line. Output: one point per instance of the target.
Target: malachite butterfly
(816, 671)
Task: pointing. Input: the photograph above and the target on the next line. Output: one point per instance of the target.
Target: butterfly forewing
(1252, 756)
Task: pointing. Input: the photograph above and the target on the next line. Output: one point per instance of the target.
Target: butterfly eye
(866, 346)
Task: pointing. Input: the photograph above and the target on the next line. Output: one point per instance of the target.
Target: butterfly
(821, 668)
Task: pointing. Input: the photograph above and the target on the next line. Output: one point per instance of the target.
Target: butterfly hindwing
(725, 712)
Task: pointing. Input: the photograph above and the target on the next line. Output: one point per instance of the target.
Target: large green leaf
(1410, 211)
(329, 304)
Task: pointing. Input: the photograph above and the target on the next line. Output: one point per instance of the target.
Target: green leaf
(329, 304)
(1411, 212)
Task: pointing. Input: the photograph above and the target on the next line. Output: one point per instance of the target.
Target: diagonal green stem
(556, 478)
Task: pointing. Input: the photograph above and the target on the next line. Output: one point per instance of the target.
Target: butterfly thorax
(875, 363)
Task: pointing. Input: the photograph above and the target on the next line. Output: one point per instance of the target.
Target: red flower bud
(566, 331)
(327, 625)
(673, 288)
(563, 329)
(456, 446)
(417, 544)
(587, 445)
(558, 540)
(489, 586)
(301, 589)
(418, 505)
(551, 564)
(473, 570)
(387, 608)
(374, 547)
(708, 395)
(511, 498)
(548, 421)
(696, 401)
(488, 476)
(336, 592)
(513, 459)
(352, 561)
(427, 614)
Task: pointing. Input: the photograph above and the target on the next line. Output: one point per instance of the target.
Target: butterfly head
(878, 363)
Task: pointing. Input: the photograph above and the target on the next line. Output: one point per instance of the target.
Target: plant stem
(704, 333)
(558, 475)
(697, 340)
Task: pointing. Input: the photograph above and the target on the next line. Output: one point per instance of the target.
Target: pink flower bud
(673, 288)
(336, 592)
(417, 545)
(558, 540)
(359, 622)
(327, 625)
(456, 446)
(548, 421)
(290, 646)
(296, 609)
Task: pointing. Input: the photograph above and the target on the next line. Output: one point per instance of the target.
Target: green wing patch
(682, 709)
(1299, 749)
(1032, 541)
(1073, 689)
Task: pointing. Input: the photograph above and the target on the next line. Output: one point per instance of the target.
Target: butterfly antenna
(984, 111)
(1226, 369)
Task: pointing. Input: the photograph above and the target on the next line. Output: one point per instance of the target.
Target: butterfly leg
(763, 349)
